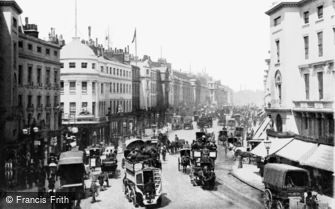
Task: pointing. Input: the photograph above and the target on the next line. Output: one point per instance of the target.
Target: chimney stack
(27, 22)
(96, 42)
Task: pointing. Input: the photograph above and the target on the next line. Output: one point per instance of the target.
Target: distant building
(94, 86)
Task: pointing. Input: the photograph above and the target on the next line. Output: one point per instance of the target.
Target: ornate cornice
(287, 4)
(11, 3)
(38, 59)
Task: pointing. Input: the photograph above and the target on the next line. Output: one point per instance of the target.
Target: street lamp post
(267, 144)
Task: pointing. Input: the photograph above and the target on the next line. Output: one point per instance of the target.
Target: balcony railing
(30, 108)
(48, 107)
(40, 108)
(314, 105)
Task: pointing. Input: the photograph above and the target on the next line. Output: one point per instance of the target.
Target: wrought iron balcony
(40, 108)
(30, 108)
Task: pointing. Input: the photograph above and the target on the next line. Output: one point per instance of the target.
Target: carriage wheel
(279, 205)
(267, 199)
(178, 164)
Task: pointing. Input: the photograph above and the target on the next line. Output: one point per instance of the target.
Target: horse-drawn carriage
(188, 122)
(109, 164)
(205, 122)
(177, 123)
(203, 156)
(184, 159)
(142, 180)
(71, 171)
(285, 186)
(223, 136)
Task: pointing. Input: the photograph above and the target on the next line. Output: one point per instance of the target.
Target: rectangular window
(72, 87)
(306, 17)
(276, 21)
(93, 65)
(72, 108)
(14, 22)
(20, 104)
(110, 87)
(113, 87)
(102, 88)
(93, 87)
(72, 64)
(93, 108)
(102, 68)
(62, 87)
(84, 87)
(47, 79)
(84, 65)
(320, 43)
(121, 88)
(47, 51)
(30, 46)
(21, 44)
(320, 12)
(278, 50)
(39, 101)
(39, 49)
(55, 53)
(117, 88)
(61, 65)
(113, 71)
(320, 84)
(55, 101)
(55, 76)
(47, 101)
(30, 98)
(117, 72)
(39, 73)
(20, 75)
(84, 107)
(306, 44)
(30, 73)
(306, 78)
(306, 122)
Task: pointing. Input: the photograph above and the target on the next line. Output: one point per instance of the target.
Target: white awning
(276, 145)
(297, 150)
(261, 130)
(322, 158)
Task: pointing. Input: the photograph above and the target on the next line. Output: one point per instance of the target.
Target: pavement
(249, 174)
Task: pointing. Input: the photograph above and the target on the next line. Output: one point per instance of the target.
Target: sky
(227, 39)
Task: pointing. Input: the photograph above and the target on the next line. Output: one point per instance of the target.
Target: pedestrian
(101, 181)
(106, 179)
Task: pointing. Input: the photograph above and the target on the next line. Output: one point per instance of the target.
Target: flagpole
(136, 47)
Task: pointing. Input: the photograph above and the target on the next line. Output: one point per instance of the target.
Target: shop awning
(297, 150)
(322, 158)
(261, 130)
(276, 145)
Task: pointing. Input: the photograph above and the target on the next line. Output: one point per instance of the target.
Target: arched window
(278, 85)
(279, 123)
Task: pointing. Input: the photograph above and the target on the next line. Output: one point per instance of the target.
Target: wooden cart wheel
(279, 205)
(178, 164)
(267, 199)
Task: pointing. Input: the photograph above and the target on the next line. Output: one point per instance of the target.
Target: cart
(285, 186)
(184, 159)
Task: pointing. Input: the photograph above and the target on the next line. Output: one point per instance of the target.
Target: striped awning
(297, 150)
(322, 158)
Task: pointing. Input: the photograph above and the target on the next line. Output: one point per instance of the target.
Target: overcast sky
(230, 39)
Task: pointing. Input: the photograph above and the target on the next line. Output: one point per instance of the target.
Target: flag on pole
(134, 36)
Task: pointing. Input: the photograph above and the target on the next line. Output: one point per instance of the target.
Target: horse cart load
(71, 170)
(203, 156)
(285, 186)
(142, 180)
